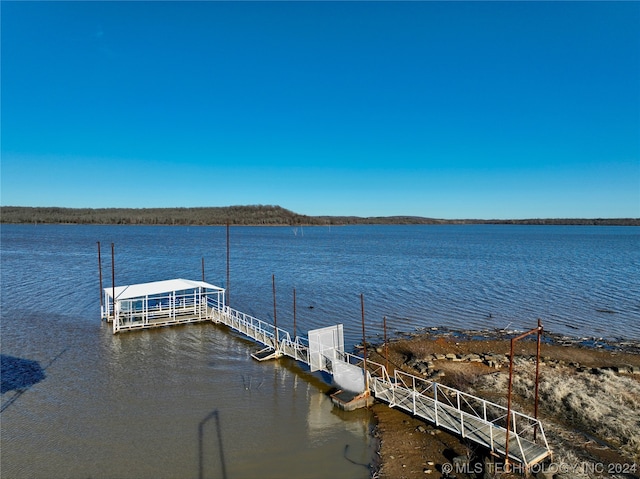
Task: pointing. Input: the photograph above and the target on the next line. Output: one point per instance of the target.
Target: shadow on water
(19, 374)
(213, 415)
(344, 454)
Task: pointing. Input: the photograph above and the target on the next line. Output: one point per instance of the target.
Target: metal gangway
(472, 418)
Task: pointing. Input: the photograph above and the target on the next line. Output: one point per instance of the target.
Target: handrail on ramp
(478, 420)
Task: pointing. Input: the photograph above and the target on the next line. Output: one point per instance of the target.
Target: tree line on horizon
(267, 215)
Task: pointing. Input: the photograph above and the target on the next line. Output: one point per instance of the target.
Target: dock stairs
(265, 354)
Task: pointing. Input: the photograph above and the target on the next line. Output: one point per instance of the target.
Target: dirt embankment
(589, 403)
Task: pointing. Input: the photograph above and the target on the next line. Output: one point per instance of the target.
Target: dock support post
(535, 409)
(100, 274)
(294, 314)
(275, 317)
(364, 344)
(386, 347)
(228, 257)
(113, 283)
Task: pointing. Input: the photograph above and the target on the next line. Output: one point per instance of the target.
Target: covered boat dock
(161, 303)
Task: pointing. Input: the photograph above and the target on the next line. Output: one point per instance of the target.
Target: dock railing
(471, 417)
(466, 415)
(252, 327)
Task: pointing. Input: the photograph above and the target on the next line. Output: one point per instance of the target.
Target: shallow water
(186, 401)
(189, 401)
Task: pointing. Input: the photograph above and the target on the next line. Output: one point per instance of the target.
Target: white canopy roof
(157, 287)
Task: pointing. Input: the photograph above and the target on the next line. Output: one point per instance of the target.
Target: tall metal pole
(113, 281)
(228, 255)
(506, 452)
(535, 409)
(275, 318)
(294, 313)
(537, 330)
(386, 348)
(100, 274)
(364, 343)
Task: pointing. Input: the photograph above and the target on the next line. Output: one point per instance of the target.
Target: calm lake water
(189, 401)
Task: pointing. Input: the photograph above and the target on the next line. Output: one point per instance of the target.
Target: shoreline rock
(548, 337)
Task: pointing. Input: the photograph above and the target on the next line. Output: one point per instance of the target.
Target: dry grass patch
(604, 405)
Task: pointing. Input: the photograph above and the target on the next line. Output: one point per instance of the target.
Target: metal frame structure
(539, 330)
(161, 303)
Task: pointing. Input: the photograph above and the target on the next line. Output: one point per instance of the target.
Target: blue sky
(447, 110)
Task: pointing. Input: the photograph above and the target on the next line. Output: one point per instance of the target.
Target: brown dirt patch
(409, 447)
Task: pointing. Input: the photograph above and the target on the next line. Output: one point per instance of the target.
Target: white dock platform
(160, 303)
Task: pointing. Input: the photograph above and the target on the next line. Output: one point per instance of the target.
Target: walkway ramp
(467, 416)
(470, 417)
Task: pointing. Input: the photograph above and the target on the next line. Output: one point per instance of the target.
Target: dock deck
(160, 303)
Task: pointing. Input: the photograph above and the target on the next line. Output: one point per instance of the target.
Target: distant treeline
(247, 215)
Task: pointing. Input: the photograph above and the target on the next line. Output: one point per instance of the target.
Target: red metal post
(100, 274)
(364, 343)
(506, 452)
(275, 318)
(113, 281)
(535, 413)
(537, 330)
(294, 313)
(228, 256)
(386, 348)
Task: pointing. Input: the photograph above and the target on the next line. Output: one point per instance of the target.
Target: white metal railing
(470, 416)
(255, 328)
(475, 418)
(160, 309)
(263, 332)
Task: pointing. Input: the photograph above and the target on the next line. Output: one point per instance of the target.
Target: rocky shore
(589, 402)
